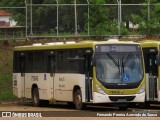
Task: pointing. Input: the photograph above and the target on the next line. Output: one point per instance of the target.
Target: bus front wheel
(78, 99)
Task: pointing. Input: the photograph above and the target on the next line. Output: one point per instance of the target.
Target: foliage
(19, 14)
(6, 72)
(102, 19)
(98, 21)
(148, 26)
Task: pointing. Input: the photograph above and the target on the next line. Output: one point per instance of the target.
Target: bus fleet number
(34, 78)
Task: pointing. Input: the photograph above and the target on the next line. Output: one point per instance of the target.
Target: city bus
(80, 73)
(151, 50)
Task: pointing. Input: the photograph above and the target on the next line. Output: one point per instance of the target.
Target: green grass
(6, 87)
(5, 95)
(6, 60)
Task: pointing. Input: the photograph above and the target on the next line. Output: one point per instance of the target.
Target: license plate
(122, 100)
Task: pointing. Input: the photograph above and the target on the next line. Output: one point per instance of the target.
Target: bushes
(6, 61)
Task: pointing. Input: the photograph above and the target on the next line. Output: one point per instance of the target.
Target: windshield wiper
(120, 64)
(115, 62)
(112, 58)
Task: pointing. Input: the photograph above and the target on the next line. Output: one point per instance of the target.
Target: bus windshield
(120, 68)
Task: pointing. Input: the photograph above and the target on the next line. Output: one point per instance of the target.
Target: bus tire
(78, 99)
(35, 97)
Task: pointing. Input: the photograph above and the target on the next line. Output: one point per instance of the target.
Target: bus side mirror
(158, 59)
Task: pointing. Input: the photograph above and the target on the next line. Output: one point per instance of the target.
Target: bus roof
(69, 45)
(149, 43)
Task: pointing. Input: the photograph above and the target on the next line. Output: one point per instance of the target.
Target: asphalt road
(63, 110)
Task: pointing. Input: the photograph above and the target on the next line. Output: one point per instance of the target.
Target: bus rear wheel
(36, 101)
(78, 99)
(35, 97)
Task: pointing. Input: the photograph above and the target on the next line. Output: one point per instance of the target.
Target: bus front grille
(120, 98)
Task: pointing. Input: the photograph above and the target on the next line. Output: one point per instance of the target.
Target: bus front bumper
(104, 98)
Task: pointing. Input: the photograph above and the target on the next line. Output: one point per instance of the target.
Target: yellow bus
(80, 73)
(151, 50)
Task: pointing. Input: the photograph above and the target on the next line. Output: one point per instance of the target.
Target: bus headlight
(141, 90)
(100, 90)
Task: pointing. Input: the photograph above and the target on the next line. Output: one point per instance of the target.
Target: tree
(148, 26)
(99, 22)
(102, 19)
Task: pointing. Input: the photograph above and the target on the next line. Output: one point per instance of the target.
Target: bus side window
(22, 65)
(29, 62)
(51, 65)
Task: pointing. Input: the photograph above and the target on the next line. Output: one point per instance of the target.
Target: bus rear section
(152, 62)
(82, 73)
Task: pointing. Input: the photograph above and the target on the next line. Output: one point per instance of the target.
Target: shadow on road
(97, 108)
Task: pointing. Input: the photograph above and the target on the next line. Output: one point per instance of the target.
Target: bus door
(152, 78)
(22, 67)
(51, 66)
(89, 77)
